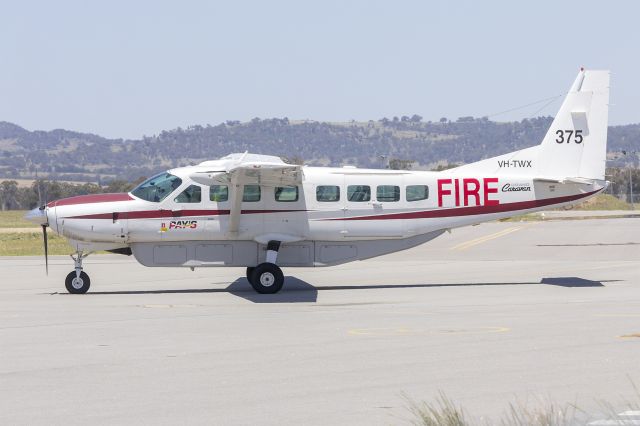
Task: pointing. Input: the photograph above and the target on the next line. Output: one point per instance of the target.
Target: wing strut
(236, 204)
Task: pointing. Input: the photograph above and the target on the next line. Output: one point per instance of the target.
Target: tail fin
(575, 145)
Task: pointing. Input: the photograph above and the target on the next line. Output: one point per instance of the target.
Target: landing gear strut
(78, 282)
(267, 277)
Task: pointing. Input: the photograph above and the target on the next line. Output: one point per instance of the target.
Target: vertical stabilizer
(576, 143)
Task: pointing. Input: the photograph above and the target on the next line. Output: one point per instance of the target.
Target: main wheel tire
(267, 278)
(250, 270)
(77, 285)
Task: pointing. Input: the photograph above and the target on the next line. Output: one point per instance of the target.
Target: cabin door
(370, 204)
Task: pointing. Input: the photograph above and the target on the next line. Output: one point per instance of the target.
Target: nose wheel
(77, 285)
(78, 282)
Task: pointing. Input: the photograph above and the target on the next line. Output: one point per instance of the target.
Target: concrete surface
(591, 214)
(488, 314)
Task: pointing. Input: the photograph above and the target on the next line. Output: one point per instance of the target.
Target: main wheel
(250, 270)
(77, 285)
(267, 278)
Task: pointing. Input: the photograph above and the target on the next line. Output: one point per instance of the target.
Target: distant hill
(68, 155)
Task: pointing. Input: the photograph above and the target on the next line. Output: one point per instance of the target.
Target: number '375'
(565, 136)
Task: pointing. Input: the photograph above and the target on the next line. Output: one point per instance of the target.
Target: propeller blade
(39, 192)
(46, 248)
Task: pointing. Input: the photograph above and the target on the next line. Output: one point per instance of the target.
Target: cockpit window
(157, 188)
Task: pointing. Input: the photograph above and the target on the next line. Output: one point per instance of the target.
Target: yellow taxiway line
(468, 244)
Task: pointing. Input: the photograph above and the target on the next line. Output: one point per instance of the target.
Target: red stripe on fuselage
(161, 214)
(469, 211)
(91, 199)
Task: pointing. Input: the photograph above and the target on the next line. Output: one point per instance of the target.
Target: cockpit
(157, 188)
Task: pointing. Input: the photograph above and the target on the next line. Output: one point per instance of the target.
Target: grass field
(15, 219)
(31, 244)
(19, 237)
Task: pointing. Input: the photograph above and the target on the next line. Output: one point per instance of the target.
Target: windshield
(157, 188)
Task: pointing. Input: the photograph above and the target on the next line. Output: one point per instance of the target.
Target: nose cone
(37, 216)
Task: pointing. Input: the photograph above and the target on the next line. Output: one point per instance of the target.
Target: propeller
(39, 216)
(46, 247)
(43, 208)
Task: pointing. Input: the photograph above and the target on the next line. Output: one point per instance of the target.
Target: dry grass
(543, 414)
(444, 412)
(31, 244)
(603, 202)
(441, 412)
(15, 219)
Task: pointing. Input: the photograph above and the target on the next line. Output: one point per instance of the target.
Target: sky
(123, 69)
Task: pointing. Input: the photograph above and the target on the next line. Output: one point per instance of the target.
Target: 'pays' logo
(183, 224)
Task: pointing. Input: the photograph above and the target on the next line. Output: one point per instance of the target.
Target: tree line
(73, 156)
(41, 191)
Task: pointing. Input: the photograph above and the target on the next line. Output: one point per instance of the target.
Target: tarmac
(493, 314)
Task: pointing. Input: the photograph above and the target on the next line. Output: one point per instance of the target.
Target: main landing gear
(78, 282)
(267, 277)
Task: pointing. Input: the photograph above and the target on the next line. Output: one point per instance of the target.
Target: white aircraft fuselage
(111, 221)
(258, 212)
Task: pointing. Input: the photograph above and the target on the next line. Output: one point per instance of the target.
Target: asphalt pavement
(490, 314)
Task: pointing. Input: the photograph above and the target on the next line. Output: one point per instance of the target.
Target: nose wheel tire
(77, 285)
(267, 278)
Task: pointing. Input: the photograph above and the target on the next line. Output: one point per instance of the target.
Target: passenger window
(327, 193)
(388, 193)
(359, 193)
(219, 193)
(193, 194)
(251, 193)
(417, 192)
(286, 193)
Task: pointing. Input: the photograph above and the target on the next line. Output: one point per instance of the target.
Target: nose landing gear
(78, 282)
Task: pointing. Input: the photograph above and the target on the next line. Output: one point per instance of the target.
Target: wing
(240, 173)
(252, 173)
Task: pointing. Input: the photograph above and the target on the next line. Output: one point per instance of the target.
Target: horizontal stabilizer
(578, 180)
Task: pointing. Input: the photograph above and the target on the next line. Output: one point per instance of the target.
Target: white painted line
(630, 413)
